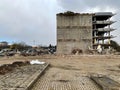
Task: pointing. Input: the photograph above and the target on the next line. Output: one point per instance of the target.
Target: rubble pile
(77, 51)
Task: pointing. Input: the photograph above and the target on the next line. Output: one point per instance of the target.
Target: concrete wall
(73, 31)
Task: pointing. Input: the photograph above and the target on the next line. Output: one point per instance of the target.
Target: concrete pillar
(103, 41)
(95, 38)
(109, 34)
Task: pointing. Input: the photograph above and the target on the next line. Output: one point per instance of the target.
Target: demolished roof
(70, 13)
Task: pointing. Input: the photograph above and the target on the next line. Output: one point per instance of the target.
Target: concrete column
(109, 29)
(109, 34)
(94, 36)
(95, 40)
(103, 41)
(95, 32)
(94, 18)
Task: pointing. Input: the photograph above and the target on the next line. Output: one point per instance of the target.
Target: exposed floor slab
(22, 78)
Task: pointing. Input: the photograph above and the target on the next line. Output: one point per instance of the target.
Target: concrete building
(82, 31)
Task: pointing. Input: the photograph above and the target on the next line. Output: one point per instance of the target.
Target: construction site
(83, 59)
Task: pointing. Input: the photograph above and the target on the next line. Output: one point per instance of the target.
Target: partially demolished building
(83, 31)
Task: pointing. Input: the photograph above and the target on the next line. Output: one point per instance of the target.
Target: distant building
(4, 43)
(81, 31)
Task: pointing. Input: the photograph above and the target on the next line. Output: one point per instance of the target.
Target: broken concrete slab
(106, 83)
(22, 78)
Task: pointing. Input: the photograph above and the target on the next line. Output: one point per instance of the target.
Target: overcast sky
(35, 20)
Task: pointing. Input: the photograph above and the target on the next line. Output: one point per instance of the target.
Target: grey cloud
(28, 20)
(82, 5)
(75, 5)
(101, 3)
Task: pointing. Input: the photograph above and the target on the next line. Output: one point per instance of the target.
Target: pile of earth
(6, 68)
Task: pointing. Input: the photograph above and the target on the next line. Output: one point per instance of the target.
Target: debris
(99, 49)
(106, 83)
(77, 51)
(36, 62)
(6, 68)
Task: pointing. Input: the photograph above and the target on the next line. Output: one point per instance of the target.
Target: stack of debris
(77, 51)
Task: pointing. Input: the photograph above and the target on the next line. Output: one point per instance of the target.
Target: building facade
(82, 31)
